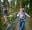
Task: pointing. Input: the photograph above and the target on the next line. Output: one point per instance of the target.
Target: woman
(22, 16)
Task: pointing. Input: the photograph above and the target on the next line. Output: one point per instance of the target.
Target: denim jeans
(22, 24)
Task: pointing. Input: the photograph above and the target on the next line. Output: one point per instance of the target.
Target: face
(21, 9)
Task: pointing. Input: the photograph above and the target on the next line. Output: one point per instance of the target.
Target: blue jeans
(22, 24)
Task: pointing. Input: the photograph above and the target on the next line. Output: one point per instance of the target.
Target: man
(22, 16)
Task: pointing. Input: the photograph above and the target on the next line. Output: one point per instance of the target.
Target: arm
(18, 14)
(27, 15)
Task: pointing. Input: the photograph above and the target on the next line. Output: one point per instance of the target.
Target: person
(5, 12)
(22, 17)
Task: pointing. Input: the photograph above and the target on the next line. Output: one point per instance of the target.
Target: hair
(23, 11)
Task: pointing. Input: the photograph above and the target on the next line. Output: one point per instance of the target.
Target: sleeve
(18, 14)
(27, 15)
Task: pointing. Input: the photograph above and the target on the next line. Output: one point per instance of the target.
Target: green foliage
(12, 11)
(2, 26)
(12, 18)
(0, 12)
(30, 11)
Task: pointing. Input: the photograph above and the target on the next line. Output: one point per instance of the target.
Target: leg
(22, 24)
